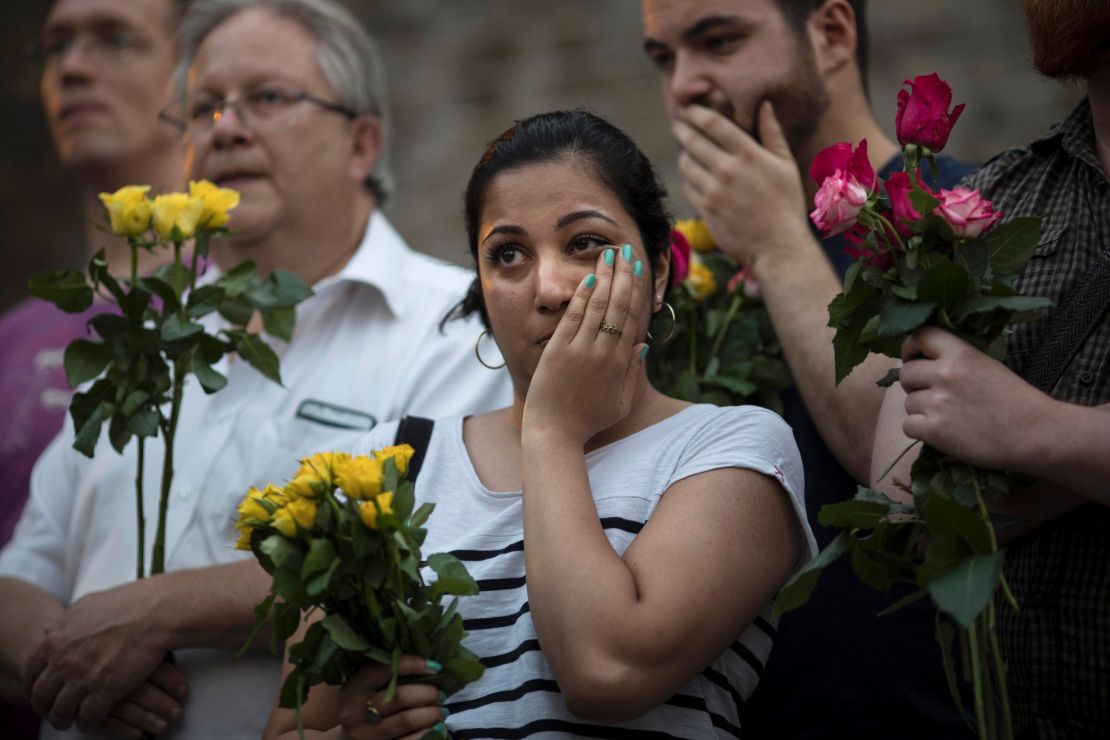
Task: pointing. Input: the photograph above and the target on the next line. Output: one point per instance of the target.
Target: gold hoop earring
(478, 352)
(674, 323)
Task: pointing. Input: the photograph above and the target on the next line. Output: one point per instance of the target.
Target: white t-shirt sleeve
(380, 436)
(37, 551)
(752, 438)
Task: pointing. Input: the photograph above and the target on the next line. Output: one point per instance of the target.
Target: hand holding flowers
(925, 259)
(342, 537)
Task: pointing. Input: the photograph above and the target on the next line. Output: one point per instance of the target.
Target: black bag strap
(1070, 326)
(415, 431)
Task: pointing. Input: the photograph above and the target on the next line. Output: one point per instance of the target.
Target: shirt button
(1086, 377)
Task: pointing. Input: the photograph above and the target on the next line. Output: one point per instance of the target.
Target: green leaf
(256, 352)
(282, 552)
(344, 636)
(210, 380)
(1011, 244)
(261, 614)
(974, 257)
(118, 433)
(986, 303)
(739, 386)
(854, 513)
(280, 322)
(453, 577)
(903, 602)
(966, 590)
(89, 432)
(942, 514)
(798, 589)
(295, 689)
(176, 329)
(163, 290)
(847, 352)
(236, 280)
(945, 284)
(204, 300)
(289, 289)
(236, 310)
(922, 202)
(144, 423)
(421, 515)
(945, 634)
(84, 360)
(319, 566)
(66, 289)
(871, 571)
(899, 318)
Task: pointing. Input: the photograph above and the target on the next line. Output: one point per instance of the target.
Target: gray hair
(348, 57)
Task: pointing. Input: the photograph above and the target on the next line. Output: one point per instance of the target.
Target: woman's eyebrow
(507, 229)
(579, 215)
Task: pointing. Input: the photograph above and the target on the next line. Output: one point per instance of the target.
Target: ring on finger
(373, 716)
(609, 328)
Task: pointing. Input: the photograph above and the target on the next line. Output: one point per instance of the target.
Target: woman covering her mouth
(628, 545)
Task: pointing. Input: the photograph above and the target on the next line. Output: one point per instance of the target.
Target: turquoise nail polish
(626, 252)
(610, 255)
(590, 280)
(433, 665)
(445, 711)
(442, 696)
(644, 353)
(439, 727)
(638, 269)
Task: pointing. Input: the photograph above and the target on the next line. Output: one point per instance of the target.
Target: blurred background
(460, 71)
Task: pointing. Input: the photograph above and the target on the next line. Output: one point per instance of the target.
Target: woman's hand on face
(415, 709)
(591, 368)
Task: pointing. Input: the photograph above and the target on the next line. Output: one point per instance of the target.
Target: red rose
(680, 257)
(967, 212)
(854, 164)
(923, 116)
(898, 189)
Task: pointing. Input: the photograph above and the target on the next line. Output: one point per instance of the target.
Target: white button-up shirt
(367, 348)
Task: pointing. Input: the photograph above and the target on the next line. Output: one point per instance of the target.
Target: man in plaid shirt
(1046, 413)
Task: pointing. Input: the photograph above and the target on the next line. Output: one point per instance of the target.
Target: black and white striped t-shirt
(518, 697)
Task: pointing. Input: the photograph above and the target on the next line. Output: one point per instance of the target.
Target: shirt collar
(381, 262)
(1075, 135)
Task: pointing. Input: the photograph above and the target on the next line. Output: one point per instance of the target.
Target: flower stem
(158, 555)
(693, 340)
(723, 330)
(1000, 674)
(140, 569)
(977, 681)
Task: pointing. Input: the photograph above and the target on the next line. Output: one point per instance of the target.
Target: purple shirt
(34, 394)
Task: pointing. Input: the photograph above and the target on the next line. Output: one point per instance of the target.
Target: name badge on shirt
(335, 416)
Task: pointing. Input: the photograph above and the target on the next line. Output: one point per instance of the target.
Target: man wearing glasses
(283, 101)
(106, 73)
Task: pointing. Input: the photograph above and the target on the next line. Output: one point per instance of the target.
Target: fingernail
(434, 665)
(643, 353)
(439, 727)
(442, 696)
(445, 711)
(638, 269)
(590, 280)
(610, 255)
(626, 252)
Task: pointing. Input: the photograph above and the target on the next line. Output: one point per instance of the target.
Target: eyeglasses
(263, 108)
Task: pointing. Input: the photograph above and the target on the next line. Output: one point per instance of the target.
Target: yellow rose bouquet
(721, 347)
(342, 537)
(159, 333)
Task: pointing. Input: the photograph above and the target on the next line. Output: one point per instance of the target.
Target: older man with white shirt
(285, 103)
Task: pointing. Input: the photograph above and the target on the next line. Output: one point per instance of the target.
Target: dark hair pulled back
(584, 137)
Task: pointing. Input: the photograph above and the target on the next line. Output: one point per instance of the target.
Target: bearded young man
(1047, 413)
(755, 88)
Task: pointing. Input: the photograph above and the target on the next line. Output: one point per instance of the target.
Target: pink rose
(898, 189)
(841, 157)
(838, 203)
(967, 212)
(923, 116)
(680, 257)
(736, 281)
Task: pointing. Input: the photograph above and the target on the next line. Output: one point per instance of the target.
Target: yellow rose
(700, 282)
(128, 210)
(316, 474)
(303, 512)
(368, 510)
(251, 508)
(401, 455)
(696, 233)
(244, 541)
(217, 202)
(176, 209)
(360, 477)
(283, 522)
